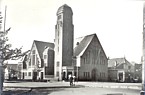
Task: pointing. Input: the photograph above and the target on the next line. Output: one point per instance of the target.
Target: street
(63, 88)
(74, 91)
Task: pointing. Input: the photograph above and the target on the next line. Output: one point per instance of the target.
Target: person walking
(71, 80)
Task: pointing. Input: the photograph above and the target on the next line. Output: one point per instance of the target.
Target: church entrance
(94, 73)
(34, 76)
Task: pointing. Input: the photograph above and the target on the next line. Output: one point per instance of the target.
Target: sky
(117, 23)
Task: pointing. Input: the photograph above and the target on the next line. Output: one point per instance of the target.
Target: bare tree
(6, 52)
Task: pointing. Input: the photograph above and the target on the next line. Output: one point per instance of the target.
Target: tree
(6, 52)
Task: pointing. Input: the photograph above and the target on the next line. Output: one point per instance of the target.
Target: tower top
(63, 8)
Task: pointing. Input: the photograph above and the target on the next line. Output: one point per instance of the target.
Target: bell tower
(64, 33)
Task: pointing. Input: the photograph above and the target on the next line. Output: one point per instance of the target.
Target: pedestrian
(71, 81)
(74, 80)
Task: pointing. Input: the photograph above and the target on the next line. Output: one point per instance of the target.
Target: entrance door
(63, 76)
(120, 77)
(23, 75)
(94, 75)
(41, 75)
(69, 73)
(34, 76)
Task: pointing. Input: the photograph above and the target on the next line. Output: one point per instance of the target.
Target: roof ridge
(42, 41)
(86, 35)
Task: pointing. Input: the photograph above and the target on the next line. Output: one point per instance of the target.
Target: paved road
(75, 91)
(63, 88)
(66, 84)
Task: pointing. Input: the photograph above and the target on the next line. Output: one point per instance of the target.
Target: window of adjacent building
(29, 74)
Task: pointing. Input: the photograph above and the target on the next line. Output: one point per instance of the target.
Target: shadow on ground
(37, 90)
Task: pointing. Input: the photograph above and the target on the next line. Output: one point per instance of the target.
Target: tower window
(59, 17)
(57, 63)
(57, 74)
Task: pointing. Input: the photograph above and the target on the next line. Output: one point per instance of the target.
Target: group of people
(72, 80)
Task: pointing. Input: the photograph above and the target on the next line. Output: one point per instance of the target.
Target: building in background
(12, 69)
(137, 72)
(119, 69)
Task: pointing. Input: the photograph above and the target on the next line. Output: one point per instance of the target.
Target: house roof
(82, 44)
(116, 62)
(40, 45)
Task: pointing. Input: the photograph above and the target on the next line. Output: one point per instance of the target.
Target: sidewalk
(136, 86)
(29, 85)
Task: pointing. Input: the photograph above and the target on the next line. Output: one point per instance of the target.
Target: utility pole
(143, 63)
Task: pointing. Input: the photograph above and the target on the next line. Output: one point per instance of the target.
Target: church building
(83, 57)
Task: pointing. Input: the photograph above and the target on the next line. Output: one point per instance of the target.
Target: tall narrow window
(57, 74)
(58, 64)
(45, 56)
(33, 59)
(59, 17)
(30, 62)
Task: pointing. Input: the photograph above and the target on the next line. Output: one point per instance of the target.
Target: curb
(122, 87)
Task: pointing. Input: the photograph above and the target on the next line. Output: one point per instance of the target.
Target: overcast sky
(117, 23)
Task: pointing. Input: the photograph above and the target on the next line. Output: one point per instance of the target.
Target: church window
(45, 56)
(29, 74)
(58, 49)
(30, 62)
(57, 64)
(33, 59)
(57, 74)
(33, 52)
(59, 17)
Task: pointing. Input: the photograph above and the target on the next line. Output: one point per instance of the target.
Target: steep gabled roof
(82, 44)
(116, 62)
(40, 45)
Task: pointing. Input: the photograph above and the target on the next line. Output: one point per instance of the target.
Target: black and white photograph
(72, 47)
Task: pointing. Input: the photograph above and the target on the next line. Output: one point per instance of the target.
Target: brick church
(83, 57)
